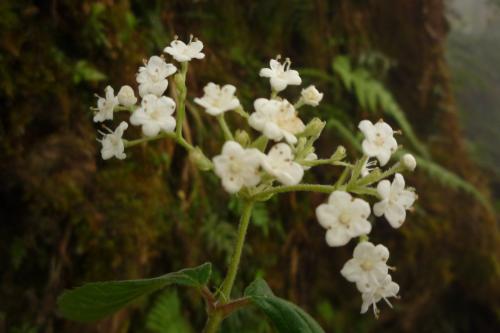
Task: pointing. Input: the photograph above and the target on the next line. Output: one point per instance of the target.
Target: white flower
(344, 217)
(152, 77)
(237, 167)
(217, 100)
(409, 162)
(311, 96)
(126, 96)
(384, 289)
(182, 52)
(368, 167)
(368, 265)
(105, 106)
(276, 119)
(112, 143)
(395, 200)
(280, 74)
(379, 140)
(155, 114)
(309, 158)
(279, 163)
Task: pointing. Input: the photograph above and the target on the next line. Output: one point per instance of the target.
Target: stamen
(191, 38)
(388, 303)
(176, 37)
(278, 57)
(287, 64)
(109, 129)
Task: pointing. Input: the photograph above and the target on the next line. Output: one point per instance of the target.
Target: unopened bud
(311, 96)
(339, 154)
(126, 96)
(200, 160)
(314, 128)
(242, 138)
(409, 162)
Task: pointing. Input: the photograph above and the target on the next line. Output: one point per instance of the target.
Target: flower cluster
(276, 160)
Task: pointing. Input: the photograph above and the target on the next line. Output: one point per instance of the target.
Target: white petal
(380, 207)
(384, 188)
(395, 215)
(337, 237)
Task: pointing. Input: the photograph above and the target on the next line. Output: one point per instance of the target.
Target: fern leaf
(165, 316)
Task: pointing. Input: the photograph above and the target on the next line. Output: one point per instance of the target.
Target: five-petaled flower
(183, 52)
(395, 200)
(152, 77)
(155, 115)
(367, 266)
(217, 100)
(280, 74)
(379, 140)
(112, 143)
(106, 105)
(276, 119)
(237, 167)
(344, 217)
(311, 96)
(279, 163)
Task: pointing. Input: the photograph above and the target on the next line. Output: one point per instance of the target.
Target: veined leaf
(286, 317)
(94, 301)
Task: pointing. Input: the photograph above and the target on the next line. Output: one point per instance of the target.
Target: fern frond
(165, 316)
(372, 95)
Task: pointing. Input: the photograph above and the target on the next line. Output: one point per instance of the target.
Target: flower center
(379, 140)
(235, 167)
(367, 266)
(345, 219)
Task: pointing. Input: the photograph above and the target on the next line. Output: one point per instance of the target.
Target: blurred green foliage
(68, 217)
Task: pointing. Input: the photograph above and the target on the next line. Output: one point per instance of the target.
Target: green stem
(180, 82)
(131, 143)
(215, 318)
(225, 128)
(297, 188)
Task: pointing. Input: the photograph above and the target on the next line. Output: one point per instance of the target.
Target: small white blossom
(395, 200)
(237, 167)
(368, 265)
(112, 143)
(409, 162)
(280, 74)
(311, 96)
(217, 100)
(105, 106)
(152, 77)
(154, 115)
(276, 119)
(379, 140)
(279, 163)
(344, 217)
(126, 96)
(383, 290)
(183, 52)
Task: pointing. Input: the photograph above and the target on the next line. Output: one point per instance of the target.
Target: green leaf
(97, 300)
(286, 316)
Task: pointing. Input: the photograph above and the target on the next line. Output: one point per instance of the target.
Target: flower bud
(339, 154)
(200, 160)
(409, 162)
(311, 96)
(242, 138)
(126, 96)
(314, 128)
